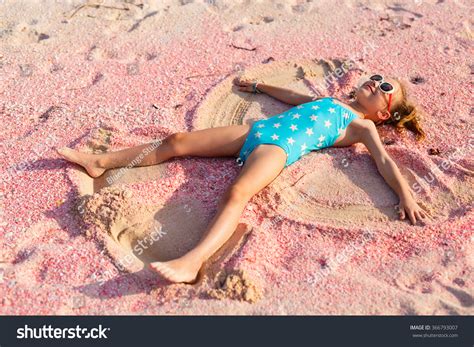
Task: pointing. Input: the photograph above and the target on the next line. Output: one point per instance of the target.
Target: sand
(101, 79)
(237, 286)
(135, 233)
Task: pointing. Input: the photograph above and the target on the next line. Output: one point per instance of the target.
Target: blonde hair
(406, 115)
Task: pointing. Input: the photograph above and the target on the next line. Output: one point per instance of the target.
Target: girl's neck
(360, 111)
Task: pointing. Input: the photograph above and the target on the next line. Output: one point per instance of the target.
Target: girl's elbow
(386, 160)
(387, 163)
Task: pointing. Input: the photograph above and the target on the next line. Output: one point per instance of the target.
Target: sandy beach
(322, 239)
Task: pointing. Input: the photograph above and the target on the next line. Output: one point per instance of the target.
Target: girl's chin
(361, 94)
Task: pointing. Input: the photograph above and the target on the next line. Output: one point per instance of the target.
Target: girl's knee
(237, 193)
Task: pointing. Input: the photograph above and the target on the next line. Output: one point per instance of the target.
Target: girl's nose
(376, 84)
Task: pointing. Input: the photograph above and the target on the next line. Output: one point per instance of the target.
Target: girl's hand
(245, 85)
(413, 210)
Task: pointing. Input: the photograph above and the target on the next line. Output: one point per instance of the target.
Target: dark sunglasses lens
(386, 87)
(376, 78)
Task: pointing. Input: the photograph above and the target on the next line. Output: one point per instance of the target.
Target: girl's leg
(262, 166)
(213, 142)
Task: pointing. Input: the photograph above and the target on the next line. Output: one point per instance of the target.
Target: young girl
(266, 147)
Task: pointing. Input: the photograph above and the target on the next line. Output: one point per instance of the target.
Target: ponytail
(407, 116)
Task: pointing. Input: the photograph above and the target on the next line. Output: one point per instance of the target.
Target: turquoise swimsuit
(303, 128)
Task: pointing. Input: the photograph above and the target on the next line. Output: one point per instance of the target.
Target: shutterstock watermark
(339, 72)
(138, 159)
(48, 332)
(341, 258)
(138, 249)
(446, 164)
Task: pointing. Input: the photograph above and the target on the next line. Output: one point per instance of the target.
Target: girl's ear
(383, 116)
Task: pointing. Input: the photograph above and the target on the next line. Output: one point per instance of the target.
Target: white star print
(275, 137)
(315, 107)
(281, 116)
(339, 131)
(313, 117)
(261, 125)
(332, 110)
(276, 125)
(303, 147)
(293, 127)
(321, 138)
(319, 144)
(296, 116)
(299, 107)
(309, 131)
(291, 141)
(346, 115)
(327, 123)
(258, 134)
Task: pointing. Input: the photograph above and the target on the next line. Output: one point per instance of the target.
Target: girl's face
(375, 101)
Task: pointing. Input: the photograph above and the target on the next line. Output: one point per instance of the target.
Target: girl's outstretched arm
(390, 172)
(285, 95)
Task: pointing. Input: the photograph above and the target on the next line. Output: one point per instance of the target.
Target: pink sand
(92, 71)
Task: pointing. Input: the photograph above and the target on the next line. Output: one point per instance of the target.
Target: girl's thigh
(262, 166)
(214, 142)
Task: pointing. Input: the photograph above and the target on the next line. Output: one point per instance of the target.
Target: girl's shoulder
(361, 125)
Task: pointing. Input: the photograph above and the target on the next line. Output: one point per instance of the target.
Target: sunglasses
(385, 87)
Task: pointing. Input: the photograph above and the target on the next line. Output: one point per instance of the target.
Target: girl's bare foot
(86, 160)
(179, 270)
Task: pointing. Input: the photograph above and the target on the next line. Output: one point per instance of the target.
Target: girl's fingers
(424, 212)
(401, 213)
(245, 83)
(411, 215)
(419, 216)
(424, 209)
(428, 216)
(414, 214)
(238, 81)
